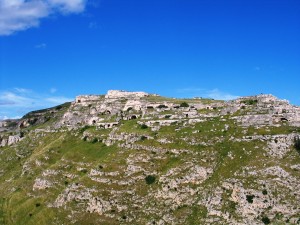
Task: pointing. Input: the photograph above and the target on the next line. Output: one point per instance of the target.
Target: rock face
(139, 158)
(125, 94)
(10, 140)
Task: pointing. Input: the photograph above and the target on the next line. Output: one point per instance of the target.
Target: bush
(265, 192)
(95, 140)
(250, 101)
(266, 220)
(84, 171)
(37, 204)
(184, 104)
(144, 126)
(162, 106)
(84, 128)
(250, 198)
(297, 144)
(143, 138)
(150, 179)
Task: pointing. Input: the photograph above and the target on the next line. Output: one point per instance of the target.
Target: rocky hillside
(137, 158)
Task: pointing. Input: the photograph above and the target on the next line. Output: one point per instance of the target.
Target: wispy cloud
(190, 91)
(257, 68)
(41, 46)
(220, 95)
(22, 90)
(20, 101)
(93, 25)
(201, 92)
(53, 90)
(18, 15)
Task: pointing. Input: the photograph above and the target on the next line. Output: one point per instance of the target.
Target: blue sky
(53, 50)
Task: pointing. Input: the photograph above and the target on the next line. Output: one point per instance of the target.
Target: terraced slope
(135, 158)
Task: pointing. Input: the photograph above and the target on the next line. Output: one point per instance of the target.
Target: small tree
(184, 104)
(297, 144)
(144, 126)
(162, 106)
(150, 179)
(95, 140)
(143, 138)
(266, 220)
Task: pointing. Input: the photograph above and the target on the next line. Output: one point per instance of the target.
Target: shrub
(12, 124)
(162, 106)
(21, 134)
(250, 198)
(143, 138)
(37, 204)
(144, 126)
(266, 220)
(297, 144)
(58, 107)
(95, 140)
(150, 179)
(184, 104)
(264, 192)
(84, 170)
(250, 101)
(84, 128)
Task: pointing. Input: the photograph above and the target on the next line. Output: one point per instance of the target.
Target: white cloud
(200, 92)
(6, 117)
(68, 6)
(220, 95)
(22, 90)
(190, 90)
(19, 102)
(18, 15)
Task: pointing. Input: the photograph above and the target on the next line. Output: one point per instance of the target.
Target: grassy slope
(65, 152)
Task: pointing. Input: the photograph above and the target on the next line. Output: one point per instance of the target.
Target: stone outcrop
(10, 140)
(125, 94)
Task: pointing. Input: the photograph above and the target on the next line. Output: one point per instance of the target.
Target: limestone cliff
(139, 158)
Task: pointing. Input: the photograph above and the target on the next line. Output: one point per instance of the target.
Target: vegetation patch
(266, 220)
(184, 105)
(250, 198)
(297, 144)
(144, 126)
(250, 101)
(150, 179)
